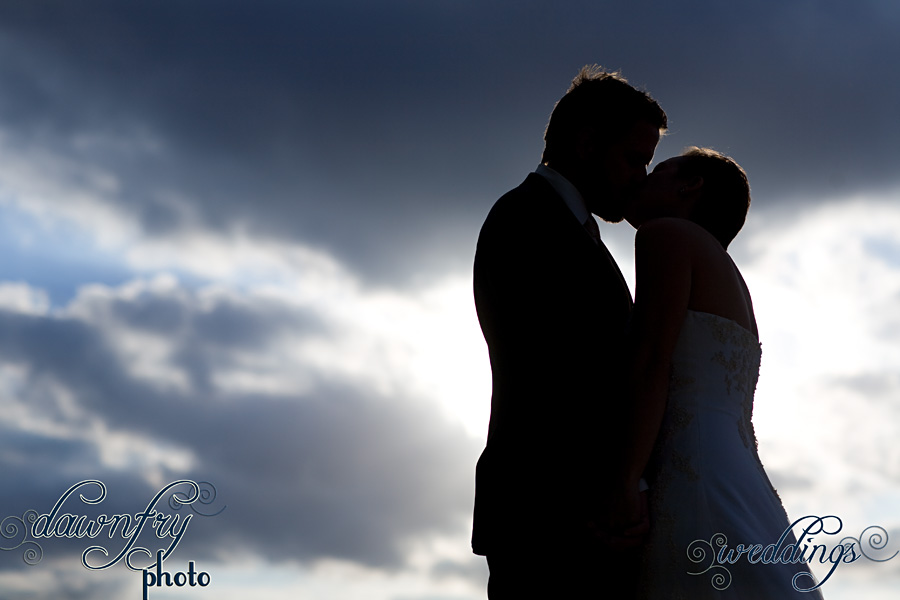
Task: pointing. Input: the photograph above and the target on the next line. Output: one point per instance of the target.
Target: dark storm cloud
(382, 132)
(336, 471)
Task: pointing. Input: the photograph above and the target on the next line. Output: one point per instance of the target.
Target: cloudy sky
(237, 241)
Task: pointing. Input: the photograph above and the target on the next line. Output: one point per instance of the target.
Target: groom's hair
(725, 194)
(602, 103)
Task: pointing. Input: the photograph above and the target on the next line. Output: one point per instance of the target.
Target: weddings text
(848, 550)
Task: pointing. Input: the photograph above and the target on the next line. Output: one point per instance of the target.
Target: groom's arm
(538, 300)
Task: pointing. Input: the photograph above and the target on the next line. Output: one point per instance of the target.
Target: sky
(237, 242)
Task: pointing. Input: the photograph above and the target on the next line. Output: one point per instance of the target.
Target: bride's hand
(628, 517)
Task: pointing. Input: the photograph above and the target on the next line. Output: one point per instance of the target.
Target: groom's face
(620, 167)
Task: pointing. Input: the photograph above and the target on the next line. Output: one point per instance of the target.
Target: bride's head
(701, 185)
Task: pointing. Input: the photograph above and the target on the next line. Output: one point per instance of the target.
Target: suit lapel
(599, 255)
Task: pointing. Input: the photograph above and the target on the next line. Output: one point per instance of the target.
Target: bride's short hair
(725, 195)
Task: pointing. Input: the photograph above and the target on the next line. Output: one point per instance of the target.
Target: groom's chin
(612, 212)
(618, 218)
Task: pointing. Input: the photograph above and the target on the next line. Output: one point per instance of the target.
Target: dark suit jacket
(553, 308)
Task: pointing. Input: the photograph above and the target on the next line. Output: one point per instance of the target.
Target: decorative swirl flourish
(812, 579)
(721, 576)
(849, 540)
(12, 527)
(721, 581)
(100, 496)
(177, 499)
(697, 554)
(203, 492)
(207, 497)
(10, 530)
(138, 551)
(877, 540)
(33, 554)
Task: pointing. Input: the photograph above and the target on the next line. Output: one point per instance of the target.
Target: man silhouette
(553, 307)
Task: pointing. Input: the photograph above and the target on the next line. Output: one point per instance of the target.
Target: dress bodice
(715, 367)
(705, 475)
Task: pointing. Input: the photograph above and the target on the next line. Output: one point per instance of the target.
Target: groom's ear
(585, 145)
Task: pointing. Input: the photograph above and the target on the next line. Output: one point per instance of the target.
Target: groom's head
(601, 137)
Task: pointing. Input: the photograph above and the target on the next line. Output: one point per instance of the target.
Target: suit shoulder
(533, 189)
(528, 203)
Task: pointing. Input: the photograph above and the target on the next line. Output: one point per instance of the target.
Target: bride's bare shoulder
(673, 234)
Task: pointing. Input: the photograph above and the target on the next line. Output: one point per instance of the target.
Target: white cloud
(826, 411)
(23, 298)
(342, 400)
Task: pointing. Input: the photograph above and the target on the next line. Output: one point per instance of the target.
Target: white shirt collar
(567, 190)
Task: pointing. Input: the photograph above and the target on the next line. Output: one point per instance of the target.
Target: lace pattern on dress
(704, 461)
(662, 553)
(738, 355)
(740, 361)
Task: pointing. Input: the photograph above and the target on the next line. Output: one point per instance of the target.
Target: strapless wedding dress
(707, 485)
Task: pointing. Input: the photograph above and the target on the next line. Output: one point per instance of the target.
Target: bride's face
(659, 195)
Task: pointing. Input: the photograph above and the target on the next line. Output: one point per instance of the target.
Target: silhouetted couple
(592, 393)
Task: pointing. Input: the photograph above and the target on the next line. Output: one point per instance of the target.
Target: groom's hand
(641, 527)
(629, 520)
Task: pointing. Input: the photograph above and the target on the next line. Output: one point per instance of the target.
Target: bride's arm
(663, 290)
